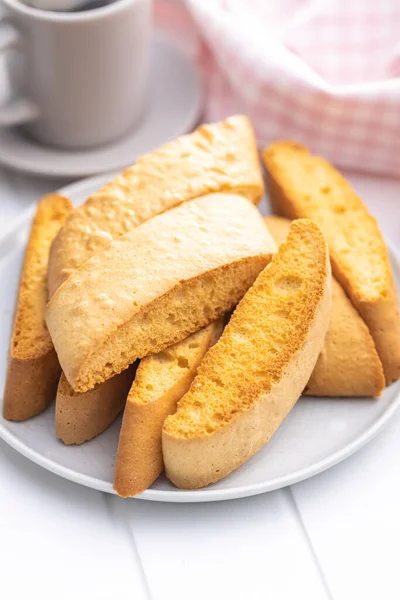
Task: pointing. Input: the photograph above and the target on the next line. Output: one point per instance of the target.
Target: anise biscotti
(81, 417)
(349, 364)
(151, 288)
(33, 368)
(161, 380)
(250, 380)
(221, 157)
(302, 185)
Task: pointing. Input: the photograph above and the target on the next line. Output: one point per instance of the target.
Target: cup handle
(16, 110)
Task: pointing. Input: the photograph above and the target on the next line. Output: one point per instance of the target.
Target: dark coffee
(91, 4)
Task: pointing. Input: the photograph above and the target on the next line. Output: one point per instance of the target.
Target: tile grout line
(289, 494)
(108, 501)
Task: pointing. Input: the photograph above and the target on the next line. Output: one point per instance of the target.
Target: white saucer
(173, 108)
(317, 434)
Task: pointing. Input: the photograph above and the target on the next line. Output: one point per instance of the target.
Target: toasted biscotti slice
(349, 364)
(302, 185)
(151, 288)
(221, 157)
(33, 368)
(81, 417)
(250, 380)
(161, 380)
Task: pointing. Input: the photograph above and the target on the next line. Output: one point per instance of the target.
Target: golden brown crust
(161, 380)
(200, 259)
(81, 417)
(302, 185)
(33, 368)
(30, 385)
(252, 377)
(220, 157)
(348, 364)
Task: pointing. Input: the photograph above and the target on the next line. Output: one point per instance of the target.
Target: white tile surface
(59, 540)
(352, 517)
(244, 549)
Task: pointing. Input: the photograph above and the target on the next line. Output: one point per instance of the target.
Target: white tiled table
(335, 536)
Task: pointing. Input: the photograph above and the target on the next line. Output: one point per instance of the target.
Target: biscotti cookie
(349, 364)
(220, 157)
(81, 417)
(161, 380)
(33, 368)
(156, 285)
(302, 185)
(250, 380)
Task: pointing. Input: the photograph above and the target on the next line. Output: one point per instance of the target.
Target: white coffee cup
(78, 79)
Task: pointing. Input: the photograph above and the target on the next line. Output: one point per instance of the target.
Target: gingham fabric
(325, 73)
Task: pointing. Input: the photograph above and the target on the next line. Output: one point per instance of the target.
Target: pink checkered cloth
(325, 73)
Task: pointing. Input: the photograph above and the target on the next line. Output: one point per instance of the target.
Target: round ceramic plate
(173, 108)
(318, 433)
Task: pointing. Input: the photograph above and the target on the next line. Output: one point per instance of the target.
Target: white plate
(173, 108)
(317, 434)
